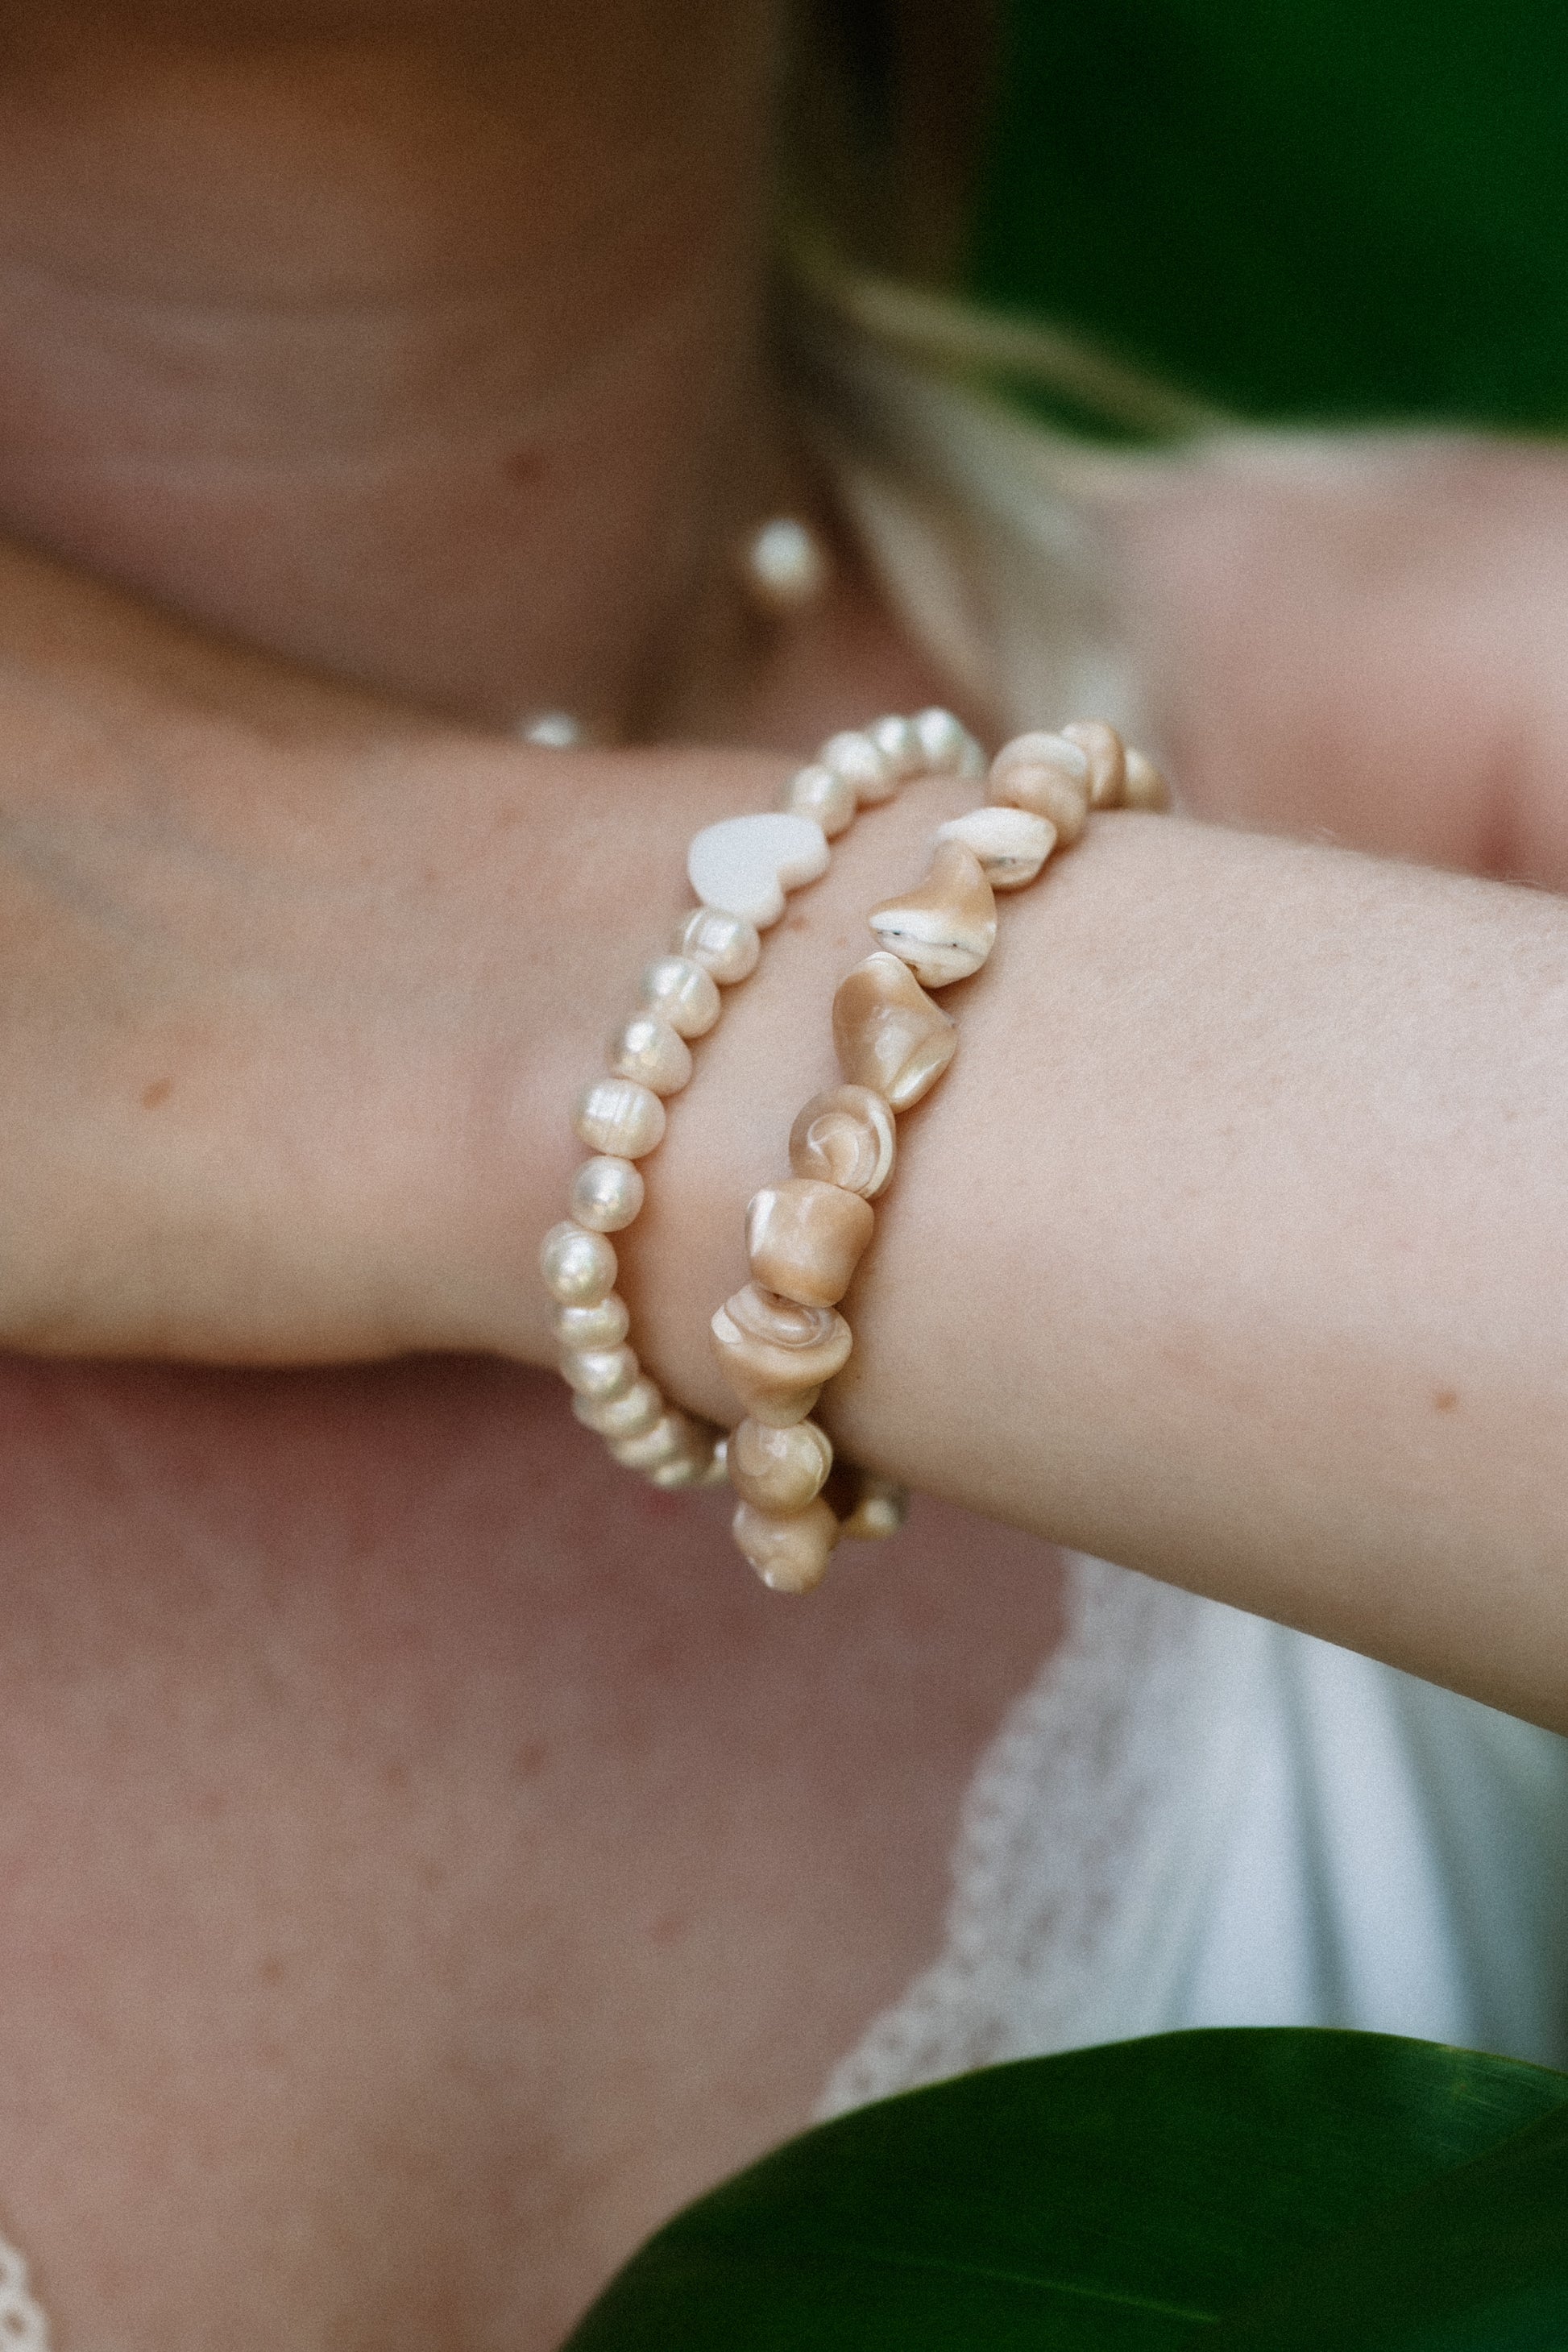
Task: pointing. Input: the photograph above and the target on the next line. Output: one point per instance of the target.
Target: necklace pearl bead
(579, 1268)
(600, 1373)
(678, 991)
(820, 793)
(605, 1326)
(727, 947)
(619, 1116)
(786, 566)
(647, 1051)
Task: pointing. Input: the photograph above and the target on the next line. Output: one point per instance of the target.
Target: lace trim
(23, 2327)
(1085, 1850)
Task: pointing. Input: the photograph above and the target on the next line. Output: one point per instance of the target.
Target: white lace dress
(1198, 1818)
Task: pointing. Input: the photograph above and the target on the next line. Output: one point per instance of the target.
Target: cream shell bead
(1107, 760)
(647, 1050)
(631, 1414)
(779, 1469)
(889, 1034)
(946, 927)
(1011, 845)
(579, 1268)
(846, 1136)
(856, 758)
(880, 1509)
(605, 1326)
(776, 1353)
(726, 946)
(1144, 787)
(819, 792)
(901, 747)
(1050, 777)
(947, 747)
(789, 1552)
(678, 991)
(805, 1239)
(606, 1194)
(621, 1118)
(601, 1373)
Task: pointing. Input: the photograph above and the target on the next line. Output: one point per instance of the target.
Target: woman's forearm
(1233, 1245)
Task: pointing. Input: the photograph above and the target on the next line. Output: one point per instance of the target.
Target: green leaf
(1129, 2199)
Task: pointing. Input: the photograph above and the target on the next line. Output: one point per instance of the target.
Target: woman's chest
(426, 1850)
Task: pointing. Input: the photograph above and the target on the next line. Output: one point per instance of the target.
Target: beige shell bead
(776, 1353)
(726, 946)
(1050, 777)
(900, 745)
(789, 1552)
(946, 927)
(601, 1373)
(1011, 845)
(604, 1326)
(619, 1116)
(889, 1034)
(631, 1414)
(1107, 760)
(647, 1050)
(947, 747)
(805, 1239)
(1144, 787)
(680, 992)
(606, 1194)
(846, 1136)
(779, 1469)
(856, 758)
(880, 1509)
(579, 1267)
(819, 792)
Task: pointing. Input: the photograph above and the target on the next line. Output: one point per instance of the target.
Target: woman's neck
(429, 357)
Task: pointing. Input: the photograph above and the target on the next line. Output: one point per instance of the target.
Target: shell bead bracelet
(739, 871)
(781, 1338)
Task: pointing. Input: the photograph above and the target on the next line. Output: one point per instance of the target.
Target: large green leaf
(1239, 2189)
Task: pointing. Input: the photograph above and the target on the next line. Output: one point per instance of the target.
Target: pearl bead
(606, 1194)
(1011, 845)
(947, 747)
(1107, 760)
(604, 1326)
(880, 1509)
(855, 757)
(846, 1137)
(727, 946)
(1144, 787)
(601, 1373)
(647, 1050)
(817, 792)
(945, 928)
(888, 1034)
(552, 730)
(900, 745)
(786, 566)
(791, 1552)
(618, 1116)
(671, 1435)
(805, 1239)
(631, 1414)
(579, 1268)
(679, 991)
(779, 1469)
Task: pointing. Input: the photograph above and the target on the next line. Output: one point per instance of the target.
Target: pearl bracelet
(780, 1339)
(740, 870)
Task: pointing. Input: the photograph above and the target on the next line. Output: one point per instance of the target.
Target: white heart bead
(744, 866)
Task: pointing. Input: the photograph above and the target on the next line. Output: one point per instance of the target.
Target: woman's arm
(1231, 1246)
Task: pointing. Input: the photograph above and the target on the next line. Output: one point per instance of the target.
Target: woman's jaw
(424, 352)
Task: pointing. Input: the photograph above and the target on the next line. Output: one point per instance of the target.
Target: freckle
(395, 1775)
(523, 465)
(273, 1970)
(158, 1092)
(1446, 1401)
(666, 1928)
(530, 1760)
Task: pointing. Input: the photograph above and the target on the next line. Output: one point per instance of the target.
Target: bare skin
(433, 1861)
